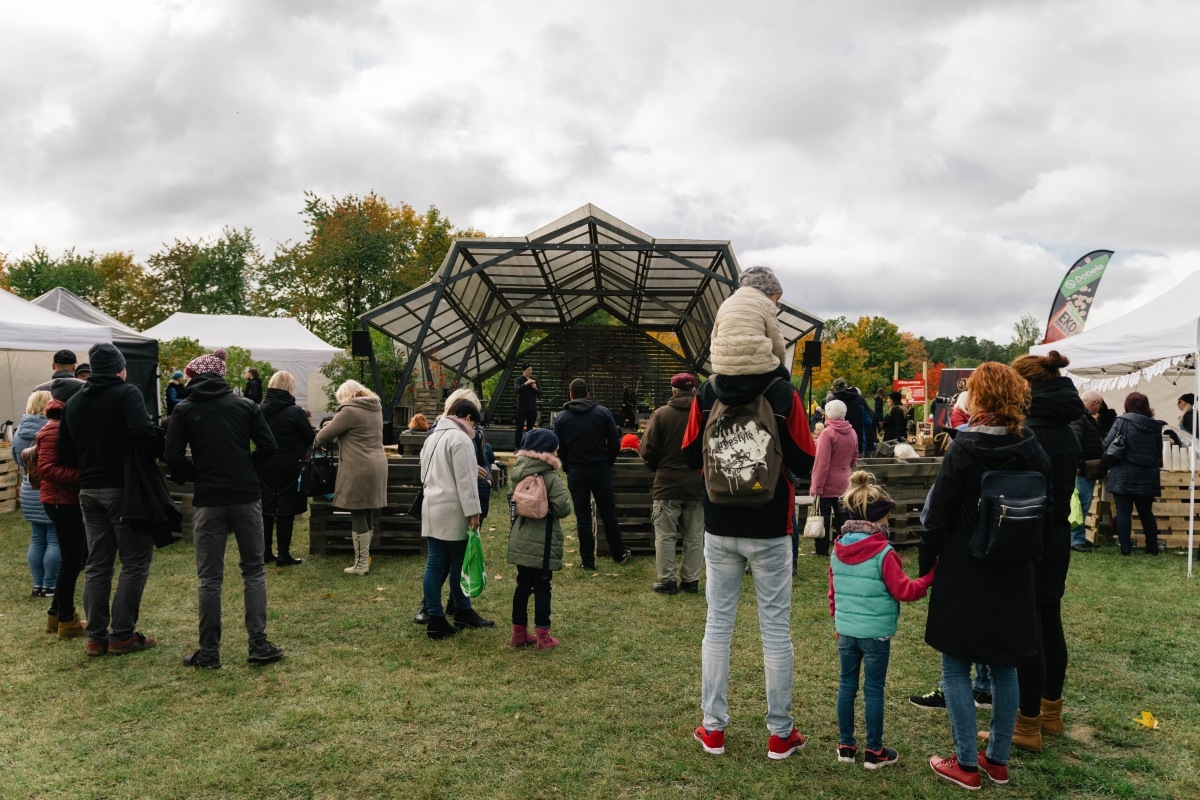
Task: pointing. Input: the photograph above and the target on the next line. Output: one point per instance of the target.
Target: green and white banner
(1075, 296)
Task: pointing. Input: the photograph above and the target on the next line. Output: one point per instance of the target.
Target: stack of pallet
(1098, 526)
(633, 490)
(395, 530)
(908, 482)
(1171, 510)
(9, 479)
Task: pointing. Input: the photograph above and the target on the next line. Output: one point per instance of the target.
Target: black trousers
(534, 582)
(72, 541)
(1045, 674)
(284, 525)
(835, 517)
(584, 483)
(526, 419)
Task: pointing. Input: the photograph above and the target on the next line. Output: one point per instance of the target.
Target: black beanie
(105, 359)
(62, 389)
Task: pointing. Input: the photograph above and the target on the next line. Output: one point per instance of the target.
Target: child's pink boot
(521, 636)
(544, 640)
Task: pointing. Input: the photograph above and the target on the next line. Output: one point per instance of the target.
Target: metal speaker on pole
(812, 355)
(360, 344)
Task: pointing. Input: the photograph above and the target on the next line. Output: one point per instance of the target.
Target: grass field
(365, 705)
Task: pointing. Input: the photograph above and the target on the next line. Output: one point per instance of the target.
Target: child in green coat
(535, 546)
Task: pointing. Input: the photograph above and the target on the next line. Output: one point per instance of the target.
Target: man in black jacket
(528, 393)
(220, 426)
(588, 443)
(1091, 446)
(101, 425)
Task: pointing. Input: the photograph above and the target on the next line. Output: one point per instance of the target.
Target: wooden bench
(395, 531)
(907, 481)
(633, 484)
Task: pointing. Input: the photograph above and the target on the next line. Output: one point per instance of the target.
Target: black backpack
(1011, 522)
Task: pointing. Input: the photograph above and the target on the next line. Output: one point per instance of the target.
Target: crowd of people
(725, 454)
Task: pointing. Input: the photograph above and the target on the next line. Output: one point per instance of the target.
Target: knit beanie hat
(209, 362)
(1189, 398)
(105, 359)
(763, 279)
(835, 409)
(176, 374)
(63, 389)
(539, 440)
(630, 441)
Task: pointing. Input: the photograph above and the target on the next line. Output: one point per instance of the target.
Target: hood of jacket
(1055, 400)
(364, 403)
(530, 463)
(859, 546)
(839, 428)
(580, 406)
(739, 389)
(683, 400)
(993, 447)
(29, 425)
(95, 384)
(1144, 423)
(54, 409)
(277, 400)
(207, 386)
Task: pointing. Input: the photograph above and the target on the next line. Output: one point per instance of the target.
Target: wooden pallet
(395, 531)
(907, 482)
(633, 490)
(1171, 512)
(10, 479)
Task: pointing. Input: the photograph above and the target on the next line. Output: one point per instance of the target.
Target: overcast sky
(937, 162)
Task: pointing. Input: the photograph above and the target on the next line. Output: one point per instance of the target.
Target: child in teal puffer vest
(867, 583)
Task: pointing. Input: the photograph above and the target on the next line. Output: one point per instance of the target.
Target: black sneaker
(471, 619)
(875, 759)
(623, 557)
(195, 660)
(1082, 548)
(983, 699)
(691, 587)
(847, 753)
(266, 654)
(933, 701)
(288, 561)
(665, 587)
(589, 567)
(422, 616)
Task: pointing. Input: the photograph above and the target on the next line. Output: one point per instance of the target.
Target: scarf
(863, 526)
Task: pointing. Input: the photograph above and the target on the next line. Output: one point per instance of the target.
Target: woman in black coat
(980, 611)
(1135, 479)
(1054, 405)
(281, 498)
(895, 424)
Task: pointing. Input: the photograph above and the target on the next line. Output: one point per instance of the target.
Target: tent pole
(1192, 461)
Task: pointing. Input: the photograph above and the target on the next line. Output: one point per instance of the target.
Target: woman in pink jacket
(837, 453)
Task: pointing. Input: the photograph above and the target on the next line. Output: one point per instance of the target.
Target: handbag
(1093, 469)
(1117, 450)
(474, 574)
(814, 526)
(29, 461)
(318, 476)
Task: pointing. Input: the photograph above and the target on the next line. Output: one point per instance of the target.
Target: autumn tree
(204, 277)
(37, 272)
(1026, 333)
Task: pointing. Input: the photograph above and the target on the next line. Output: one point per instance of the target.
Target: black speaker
(360, 344)
(812, 354)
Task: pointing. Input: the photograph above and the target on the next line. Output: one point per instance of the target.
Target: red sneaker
(713, 741)
(997, 772)
(780, 749)
(949, 769)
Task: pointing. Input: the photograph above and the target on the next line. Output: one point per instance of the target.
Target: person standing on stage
(528, 393)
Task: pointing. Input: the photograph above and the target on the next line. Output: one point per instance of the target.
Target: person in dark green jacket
(535, 546)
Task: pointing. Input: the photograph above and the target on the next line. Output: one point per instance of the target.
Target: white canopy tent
(1159, 338)
(29, 337)
(281, 341)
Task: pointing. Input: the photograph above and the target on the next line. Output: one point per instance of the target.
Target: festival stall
(281, 341)
(1159, 340)
(140, 351)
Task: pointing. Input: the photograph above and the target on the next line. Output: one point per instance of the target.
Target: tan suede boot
(71, 629)
(350, 570)
(1028, 733)
(362, 554)
(51, 623)
(1052, 721)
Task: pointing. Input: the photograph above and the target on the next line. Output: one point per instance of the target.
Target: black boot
(422, 616)
(470, 619)
(440, 628)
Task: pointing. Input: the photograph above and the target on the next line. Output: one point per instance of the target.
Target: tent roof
(489, 291)
(1167, 327)
(261, 335)
(65, 302)
(25, 326)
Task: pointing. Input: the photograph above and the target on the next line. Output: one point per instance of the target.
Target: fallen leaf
(1147, 719)
(326, 597)
(379, 589)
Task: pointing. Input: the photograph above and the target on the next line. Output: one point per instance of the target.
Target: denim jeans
(444, 559)
(678, 520)
(1123, 521)
(982, 682)
(43, 555)
(72, 542)
(210, 537)
(770, 561)
(1085, 489)
(872, 655)
(534, 582)
(108, 535)
(960, 705)
(584, 483)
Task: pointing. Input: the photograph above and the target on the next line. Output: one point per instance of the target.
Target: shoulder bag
(318, 476)
(1117, 450)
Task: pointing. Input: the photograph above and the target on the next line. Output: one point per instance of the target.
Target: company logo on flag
(1075, 296)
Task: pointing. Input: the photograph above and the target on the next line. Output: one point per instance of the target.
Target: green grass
(364, 705)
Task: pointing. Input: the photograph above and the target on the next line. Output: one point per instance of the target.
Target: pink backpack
(529, 498)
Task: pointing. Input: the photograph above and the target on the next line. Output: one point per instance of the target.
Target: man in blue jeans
(220, 426)
(589, 441)
(737, 537)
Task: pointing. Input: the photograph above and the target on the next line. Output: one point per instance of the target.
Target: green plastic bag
(474, 574)
(1076, 517)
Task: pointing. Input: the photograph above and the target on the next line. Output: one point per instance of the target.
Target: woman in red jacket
(60, 496)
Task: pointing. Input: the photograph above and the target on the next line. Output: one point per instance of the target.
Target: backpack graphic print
(529, 498)
(742, 455)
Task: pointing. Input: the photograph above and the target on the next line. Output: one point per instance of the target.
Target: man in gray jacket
(678, 510)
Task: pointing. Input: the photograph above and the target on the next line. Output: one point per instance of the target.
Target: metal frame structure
(489, 292)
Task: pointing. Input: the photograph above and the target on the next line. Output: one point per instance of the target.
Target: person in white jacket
(745, 336)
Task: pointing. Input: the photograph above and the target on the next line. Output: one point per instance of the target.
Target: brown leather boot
(51, 623)
(1052, 721)
(1028, 733)
(71, 629)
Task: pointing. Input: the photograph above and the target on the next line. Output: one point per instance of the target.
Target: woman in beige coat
(361, 486)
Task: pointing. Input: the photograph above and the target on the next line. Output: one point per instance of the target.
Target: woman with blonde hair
(43, 556)
(361, 486)
(980, 610)
(281, 499)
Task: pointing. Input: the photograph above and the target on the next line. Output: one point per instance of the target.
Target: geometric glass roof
(474, 312)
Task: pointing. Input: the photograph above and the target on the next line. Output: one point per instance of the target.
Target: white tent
(281, 341)
(29, 337)
(1161, 337)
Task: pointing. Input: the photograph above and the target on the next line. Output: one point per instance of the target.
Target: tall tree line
(359, 252)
